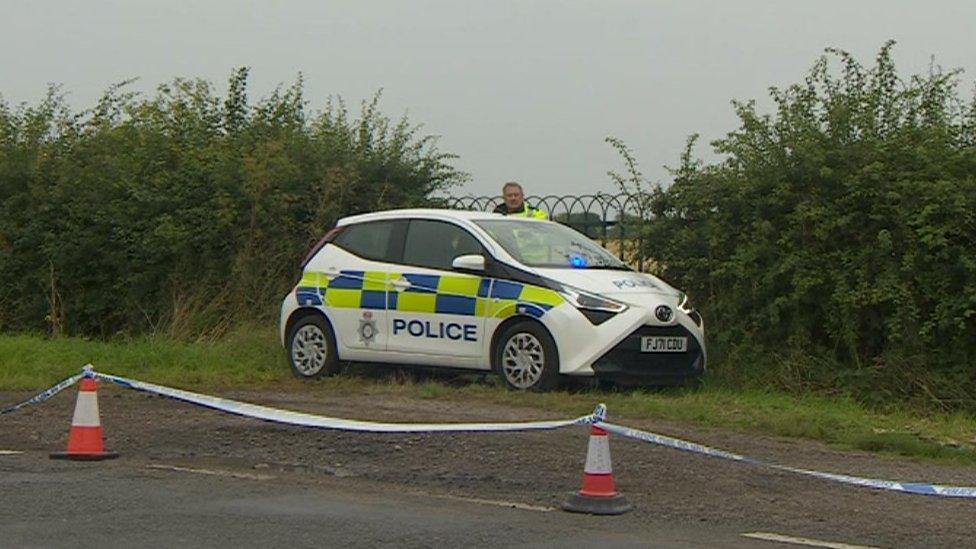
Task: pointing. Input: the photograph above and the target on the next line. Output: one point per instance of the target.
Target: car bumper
(626, 361)
(288, 306)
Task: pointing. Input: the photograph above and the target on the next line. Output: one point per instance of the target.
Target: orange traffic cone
(598, 496)
(85, 440)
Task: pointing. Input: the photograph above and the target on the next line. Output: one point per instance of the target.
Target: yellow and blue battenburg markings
(426, 293)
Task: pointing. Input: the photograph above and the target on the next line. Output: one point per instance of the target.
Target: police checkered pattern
(425, 293)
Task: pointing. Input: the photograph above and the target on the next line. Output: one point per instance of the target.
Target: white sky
(522, 90)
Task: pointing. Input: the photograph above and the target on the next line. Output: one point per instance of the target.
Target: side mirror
(472, 262)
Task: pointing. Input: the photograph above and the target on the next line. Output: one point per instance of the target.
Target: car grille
(626, 359)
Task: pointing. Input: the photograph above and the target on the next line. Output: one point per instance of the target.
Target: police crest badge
(367, 328)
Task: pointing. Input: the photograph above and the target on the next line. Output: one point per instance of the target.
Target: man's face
(513, 198)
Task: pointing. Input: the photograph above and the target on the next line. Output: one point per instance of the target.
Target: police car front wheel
(312, 348)
(525, 356)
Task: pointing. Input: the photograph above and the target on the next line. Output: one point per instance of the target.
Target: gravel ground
(535, 468)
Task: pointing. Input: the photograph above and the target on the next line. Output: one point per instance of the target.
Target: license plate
(661, 344)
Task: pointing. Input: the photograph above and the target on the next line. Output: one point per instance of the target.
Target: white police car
(528, 299)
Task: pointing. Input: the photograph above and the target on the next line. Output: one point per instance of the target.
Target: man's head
(512, 194)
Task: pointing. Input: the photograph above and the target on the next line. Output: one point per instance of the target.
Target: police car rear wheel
(526, 357)
(312, 348)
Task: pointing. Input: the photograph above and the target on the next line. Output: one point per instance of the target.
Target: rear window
(373, 240)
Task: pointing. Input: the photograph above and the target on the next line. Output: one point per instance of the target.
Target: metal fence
(615, 220)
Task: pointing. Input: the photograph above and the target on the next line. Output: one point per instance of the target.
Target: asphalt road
(128, 503)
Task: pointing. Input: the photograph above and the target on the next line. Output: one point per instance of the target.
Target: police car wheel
(311, 348)
(525, 356)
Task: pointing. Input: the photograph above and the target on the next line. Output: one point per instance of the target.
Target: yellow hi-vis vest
(527, 211)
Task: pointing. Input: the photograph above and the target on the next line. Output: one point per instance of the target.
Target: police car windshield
(549, 245)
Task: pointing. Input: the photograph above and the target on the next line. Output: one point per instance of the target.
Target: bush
(183, 211)
(833, 247)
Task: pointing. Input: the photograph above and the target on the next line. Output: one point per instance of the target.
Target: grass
(242, 358)
(251, 356)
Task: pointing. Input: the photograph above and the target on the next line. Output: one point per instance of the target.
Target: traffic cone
(598, 496)
(85, 440)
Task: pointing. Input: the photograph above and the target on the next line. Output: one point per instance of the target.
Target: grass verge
(252, 356)
(244, 357)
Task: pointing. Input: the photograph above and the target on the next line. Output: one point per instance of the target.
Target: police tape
(323, 422)
(879, 484)
(597, 417)
(46, 394)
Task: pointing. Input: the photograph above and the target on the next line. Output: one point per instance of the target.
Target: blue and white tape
(922, 488)
(879, 484)
(322, 422)
(46, 394)
(671, 442)
(598, 417)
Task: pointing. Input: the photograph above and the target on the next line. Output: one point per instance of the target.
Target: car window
(371, 240)
(549, 245)
(435, 244)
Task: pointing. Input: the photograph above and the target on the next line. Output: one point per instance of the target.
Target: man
(515, 203)
(530, 246)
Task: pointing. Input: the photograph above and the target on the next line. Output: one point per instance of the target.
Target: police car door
(358, 272)
(437, 310)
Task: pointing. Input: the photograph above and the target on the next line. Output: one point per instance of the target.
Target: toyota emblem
(663, 313)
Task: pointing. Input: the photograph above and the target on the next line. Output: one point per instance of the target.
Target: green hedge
(182, 211)
(834, 247)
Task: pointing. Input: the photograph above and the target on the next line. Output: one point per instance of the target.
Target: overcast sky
(524, 90)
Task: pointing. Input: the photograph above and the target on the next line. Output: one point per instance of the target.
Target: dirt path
(537, 468)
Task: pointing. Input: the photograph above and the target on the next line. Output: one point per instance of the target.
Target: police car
(529, 299)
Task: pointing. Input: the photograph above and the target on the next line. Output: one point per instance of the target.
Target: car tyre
(312, 348)
(525, 357)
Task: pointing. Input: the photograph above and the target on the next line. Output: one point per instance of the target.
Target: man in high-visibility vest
(531, 246)
(515, 203)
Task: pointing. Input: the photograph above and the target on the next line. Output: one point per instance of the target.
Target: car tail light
(329, 237)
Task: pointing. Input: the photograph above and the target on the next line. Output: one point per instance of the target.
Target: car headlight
(591, 302)
(684, 305)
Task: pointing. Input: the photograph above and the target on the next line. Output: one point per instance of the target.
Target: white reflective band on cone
(598, 455)
(86, 410)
